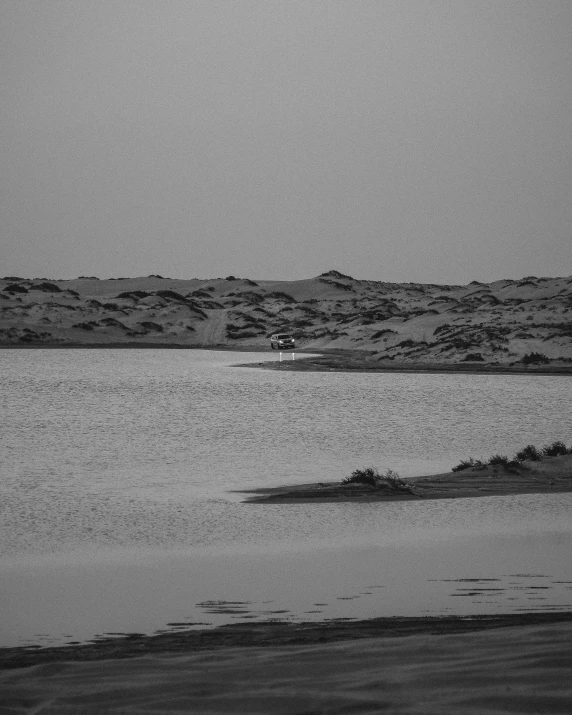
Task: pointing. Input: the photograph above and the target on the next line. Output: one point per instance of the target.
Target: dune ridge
(525, 322)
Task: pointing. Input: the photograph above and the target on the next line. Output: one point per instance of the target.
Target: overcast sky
(398, 140)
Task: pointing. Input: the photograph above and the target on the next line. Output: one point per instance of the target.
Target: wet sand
(507, 664)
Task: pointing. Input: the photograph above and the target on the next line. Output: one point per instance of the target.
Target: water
(120, 508)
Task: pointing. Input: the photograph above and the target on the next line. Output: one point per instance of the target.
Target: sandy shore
(511, 664)
(360, 361)
(327, 360)
(550, 475)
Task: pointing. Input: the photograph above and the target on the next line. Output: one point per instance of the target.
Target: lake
(121, 508)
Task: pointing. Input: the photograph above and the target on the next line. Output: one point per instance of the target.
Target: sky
(392, 140)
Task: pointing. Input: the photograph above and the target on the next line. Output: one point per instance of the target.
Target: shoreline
(319, 360)
(356, 361)
(271, 634)
(500, 666)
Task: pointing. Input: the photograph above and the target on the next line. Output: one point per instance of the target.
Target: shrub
(555, 449)
(15, 288)
(442, 328)
(529, 452)
(112, 323)
(468, 464)
(406, 344)
(393, 480)
(47, 287)
(280, 295)
(171, 295)
(535, 359)
(335, 274)
(473, 357)
(370, 475)
(134, 293)
(501, 460)
(245, 334)
(382, 332)
(497, 459)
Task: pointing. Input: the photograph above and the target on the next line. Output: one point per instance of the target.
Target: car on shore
(282, 341)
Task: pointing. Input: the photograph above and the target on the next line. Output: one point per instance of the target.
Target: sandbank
(550, 475)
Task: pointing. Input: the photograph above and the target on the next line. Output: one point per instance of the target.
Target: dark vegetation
(15, 288)
(379, 333)
(171, 295)
(47, 287)
(280, 295)
(371, 477)
(335, 274)
(528, 453)
(535, 359)
(135, 293)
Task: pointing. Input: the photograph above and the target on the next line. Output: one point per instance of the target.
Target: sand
(382, 325)
(514, 669)
(549, 475)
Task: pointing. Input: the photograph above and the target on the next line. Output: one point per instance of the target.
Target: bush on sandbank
(370, 476)
(528, 453)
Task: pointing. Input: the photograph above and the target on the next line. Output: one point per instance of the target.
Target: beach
(424, 666)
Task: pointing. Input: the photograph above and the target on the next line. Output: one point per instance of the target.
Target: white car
(282, 341)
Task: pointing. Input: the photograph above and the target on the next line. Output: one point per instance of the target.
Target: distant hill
(508, 321)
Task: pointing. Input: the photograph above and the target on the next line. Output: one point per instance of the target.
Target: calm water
(120, 512)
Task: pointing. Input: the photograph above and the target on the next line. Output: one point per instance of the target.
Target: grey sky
(393, 140)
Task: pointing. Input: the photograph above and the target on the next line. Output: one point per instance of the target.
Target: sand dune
(523, 669)
(390, 323)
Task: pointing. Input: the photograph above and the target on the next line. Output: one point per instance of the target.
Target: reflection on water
(467, 575)
(117, 501)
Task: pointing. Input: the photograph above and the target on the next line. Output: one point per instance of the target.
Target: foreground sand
(518, 669)
(550, 475)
